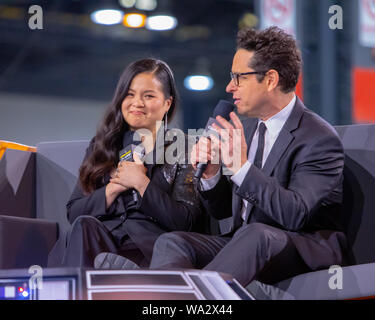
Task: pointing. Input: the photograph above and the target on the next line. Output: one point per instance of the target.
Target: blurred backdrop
(60, 61)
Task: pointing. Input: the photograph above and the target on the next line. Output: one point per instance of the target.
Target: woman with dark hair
(102, 209)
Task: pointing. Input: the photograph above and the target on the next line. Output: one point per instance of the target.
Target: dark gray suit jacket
(299, 188)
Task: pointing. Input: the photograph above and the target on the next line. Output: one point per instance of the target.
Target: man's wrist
(239, 176)
(235, 168)
(207, 184)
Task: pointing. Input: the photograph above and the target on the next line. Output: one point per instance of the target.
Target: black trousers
(88, 237)
(256, 251)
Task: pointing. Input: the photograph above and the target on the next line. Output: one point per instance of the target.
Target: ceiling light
(248, 20)
(134, 20)
(127, 3)
(107, 17)
(200, 78)
(161, 23)
(147, 5)
(198, 83)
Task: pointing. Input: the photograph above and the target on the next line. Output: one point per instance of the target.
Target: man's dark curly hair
(273, 49)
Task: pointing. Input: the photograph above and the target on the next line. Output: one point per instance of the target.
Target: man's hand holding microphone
(222, 143)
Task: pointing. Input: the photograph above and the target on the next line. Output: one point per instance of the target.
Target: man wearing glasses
(285, 198)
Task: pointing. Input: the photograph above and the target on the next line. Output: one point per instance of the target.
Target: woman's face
(145, 102)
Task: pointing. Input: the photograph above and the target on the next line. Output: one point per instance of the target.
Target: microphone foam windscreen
(131, 137)
(223, 108)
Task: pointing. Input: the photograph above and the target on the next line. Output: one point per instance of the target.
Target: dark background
(51, 76)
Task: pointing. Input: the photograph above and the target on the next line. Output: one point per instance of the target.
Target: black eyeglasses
(236, 76)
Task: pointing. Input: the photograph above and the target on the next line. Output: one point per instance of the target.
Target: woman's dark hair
(108, 139)
(273, 49)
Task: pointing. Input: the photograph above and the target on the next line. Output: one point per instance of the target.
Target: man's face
(249, 95)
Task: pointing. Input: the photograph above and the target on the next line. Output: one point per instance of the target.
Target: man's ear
(272, 78)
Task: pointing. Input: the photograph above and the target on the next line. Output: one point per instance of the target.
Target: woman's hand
(131, 175)
(113, 190)
(115, 187)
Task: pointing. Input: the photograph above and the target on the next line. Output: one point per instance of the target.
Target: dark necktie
(257, 161)
(259, 153)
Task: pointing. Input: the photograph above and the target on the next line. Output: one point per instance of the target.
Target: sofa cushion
(25, 242)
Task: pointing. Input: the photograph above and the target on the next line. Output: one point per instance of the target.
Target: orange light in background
(299, 87)
(134, 20)
(363, 95)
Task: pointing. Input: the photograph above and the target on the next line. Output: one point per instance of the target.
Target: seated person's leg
(87, 238)
(253, 250)
(186, 250)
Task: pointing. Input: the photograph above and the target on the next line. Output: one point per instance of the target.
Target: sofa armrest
(17, 184)
(25, 242)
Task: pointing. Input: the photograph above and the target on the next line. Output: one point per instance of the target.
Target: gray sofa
(24, 239)
(34, 188)
(56, 172)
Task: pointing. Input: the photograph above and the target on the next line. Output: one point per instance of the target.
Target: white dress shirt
(274, 126)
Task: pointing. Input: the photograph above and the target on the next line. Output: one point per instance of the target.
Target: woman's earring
(166, 121)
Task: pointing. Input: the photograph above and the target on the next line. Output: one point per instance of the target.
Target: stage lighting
(147, 5)
(134, 20)
(198, 83)
(127, 3)
(107, 16)
(200, 78)
(161, 23)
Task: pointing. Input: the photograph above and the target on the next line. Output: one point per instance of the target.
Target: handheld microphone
(127, 154)
(223, 108)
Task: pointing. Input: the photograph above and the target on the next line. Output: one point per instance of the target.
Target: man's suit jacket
(299, 188)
